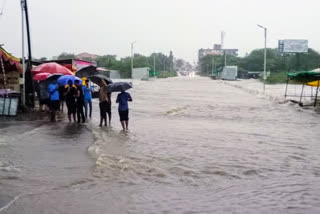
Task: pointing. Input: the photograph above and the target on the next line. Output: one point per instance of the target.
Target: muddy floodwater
(195, 146)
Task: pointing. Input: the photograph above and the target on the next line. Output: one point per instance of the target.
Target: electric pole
(28, 83)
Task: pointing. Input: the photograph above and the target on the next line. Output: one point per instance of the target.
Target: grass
(277, 77)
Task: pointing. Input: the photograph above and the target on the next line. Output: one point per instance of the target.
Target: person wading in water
(123, 99)
(103, 102)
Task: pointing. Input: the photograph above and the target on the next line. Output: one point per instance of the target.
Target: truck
(141, 73)
(229, 73)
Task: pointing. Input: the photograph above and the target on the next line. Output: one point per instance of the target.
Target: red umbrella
(52, 68)
(41, 76)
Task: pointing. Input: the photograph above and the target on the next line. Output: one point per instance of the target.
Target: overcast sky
(183, 26)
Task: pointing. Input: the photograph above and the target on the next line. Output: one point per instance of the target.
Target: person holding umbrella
(80, 101)
(70, 98)
(53, 90)
(123, 99)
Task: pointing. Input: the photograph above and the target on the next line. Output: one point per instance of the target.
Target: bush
(277, 77)
(166, 74)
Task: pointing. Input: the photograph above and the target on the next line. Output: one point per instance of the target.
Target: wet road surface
(194, 146)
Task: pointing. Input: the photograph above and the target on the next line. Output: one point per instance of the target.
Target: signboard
(293, 46)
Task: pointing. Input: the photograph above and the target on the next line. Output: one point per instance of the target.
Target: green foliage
(43, 59)
(166, 74)
(123, 65)
(277, 77)
(66, 56)
(211, 63)
(276, 63)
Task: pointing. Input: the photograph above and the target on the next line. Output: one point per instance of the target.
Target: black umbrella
(53, 77)
(87, 71)
(119, 86)
(97, 78)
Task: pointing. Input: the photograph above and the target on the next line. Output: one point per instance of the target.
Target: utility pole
(23, 62)
(28, 83)
(132, 43)
(265, 58)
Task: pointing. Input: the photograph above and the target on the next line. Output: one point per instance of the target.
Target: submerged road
(194, 146)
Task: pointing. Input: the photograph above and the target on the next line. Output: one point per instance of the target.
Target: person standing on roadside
(80, 102)
(123, 99)
(53, 90)
(70, 98)
(44, 96)
(87, 99)
(103, 102)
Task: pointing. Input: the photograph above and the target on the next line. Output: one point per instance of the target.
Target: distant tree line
(165, 65)
(276, 62)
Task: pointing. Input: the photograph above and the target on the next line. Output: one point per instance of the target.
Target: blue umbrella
(65, 79)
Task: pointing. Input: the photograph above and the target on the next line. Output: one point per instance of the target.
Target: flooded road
(194, 146)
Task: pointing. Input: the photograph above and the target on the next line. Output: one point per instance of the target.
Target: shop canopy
(304, 76)
(10, 60)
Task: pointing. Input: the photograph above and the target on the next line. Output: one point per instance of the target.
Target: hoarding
(293, 46)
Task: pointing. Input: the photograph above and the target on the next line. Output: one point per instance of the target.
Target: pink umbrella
(52, 68)
(41, 76)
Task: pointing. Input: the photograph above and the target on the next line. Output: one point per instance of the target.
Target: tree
(65, 55)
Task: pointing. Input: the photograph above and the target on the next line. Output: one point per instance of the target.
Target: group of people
(78, 99)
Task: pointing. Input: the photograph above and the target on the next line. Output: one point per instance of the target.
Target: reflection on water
(194, 146)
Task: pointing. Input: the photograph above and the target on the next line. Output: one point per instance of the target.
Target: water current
(195, 146)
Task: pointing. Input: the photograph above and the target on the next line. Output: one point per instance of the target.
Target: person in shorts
(53, 90)
(123, 99)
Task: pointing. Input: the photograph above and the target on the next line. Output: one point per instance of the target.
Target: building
(72, 64)
(87, 56)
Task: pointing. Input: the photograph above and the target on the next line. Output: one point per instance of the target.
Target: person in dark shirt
(123, 99)
(80, 102)
(44, 97)
(70, 98)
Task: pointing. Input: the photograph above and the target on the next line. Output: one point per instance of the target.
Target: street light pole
(212, 65)
(265, 57)
(132, 43)
(154, 63)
